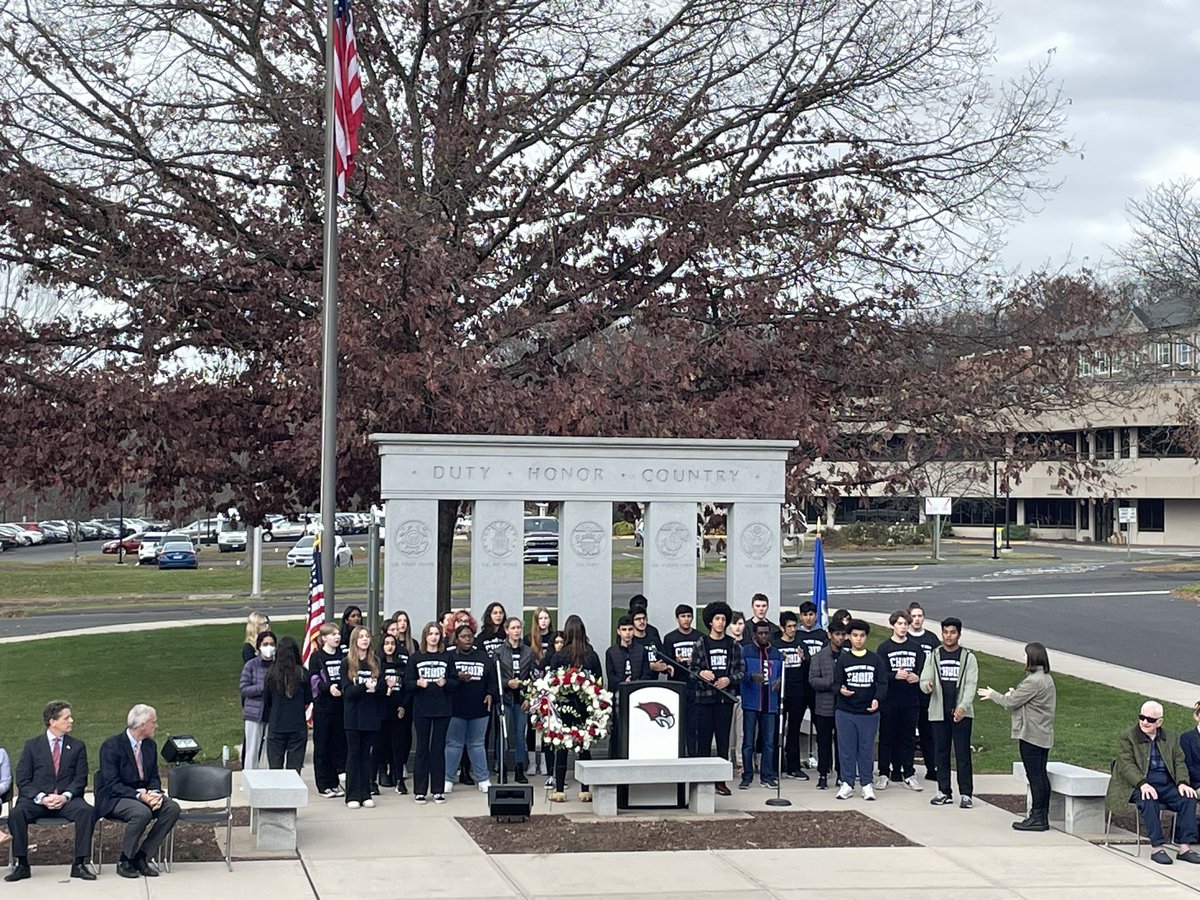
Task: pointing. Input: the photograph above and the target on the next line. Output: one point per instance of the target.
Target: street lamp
(995, 497)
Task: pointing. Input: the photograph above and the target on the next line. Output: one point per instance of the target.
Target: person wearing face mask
(362, 712)
(252, 685)
(329, 730)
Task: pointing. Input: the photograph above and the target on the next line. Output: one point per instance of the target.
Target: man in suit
(52, 775)
(129, 790)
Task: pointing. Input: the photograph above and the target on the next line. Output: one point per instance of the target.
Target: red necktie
(137, 758)
(56, 753)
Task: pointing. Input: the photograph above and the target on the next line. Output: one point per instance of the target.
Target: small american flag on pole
(348, 100)
(316, 610)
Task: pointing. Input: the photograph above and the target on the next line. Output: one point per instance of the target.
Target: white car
(281, 528)
(302, 553)
(153, 541)
(231, 540)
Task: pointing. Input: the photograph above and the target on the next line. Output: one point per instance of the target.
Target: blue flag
(820, 589)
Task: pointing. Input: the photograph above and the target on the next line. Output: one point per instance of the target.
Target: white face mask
(267, 651)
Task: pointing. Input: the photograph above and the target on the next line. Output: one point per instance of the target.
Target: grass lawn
(190, 675)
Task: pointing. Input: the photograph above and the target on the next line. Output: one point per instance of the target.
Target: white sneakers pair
(846, 791)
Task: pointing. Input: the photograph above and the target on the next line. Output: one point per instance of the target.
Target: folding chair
(202, 784)
(1137, 828)
(49, 819)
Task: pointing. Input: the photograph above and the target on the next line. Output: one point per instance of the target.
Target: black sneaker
(439, 798)
(770, 783)
(822, 782)
(420, 798)
(798, 774)
(931, 775)
(745, 784)
(940, 799)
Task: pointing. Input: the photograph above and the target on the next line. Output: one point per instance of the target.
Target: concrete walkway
(402, 850)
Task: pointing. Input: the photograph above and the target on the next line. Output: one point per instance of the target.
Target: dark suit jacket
(118, 775)
(35, 770)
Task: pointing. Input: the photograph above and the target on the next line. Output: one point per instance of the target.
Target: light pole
(995, 497)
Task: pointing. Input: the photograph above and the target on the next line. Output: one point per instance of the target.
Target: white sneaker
(541, 769)
(353, 804)
(912, 784)
(845, 792)
(868, 792)
(882, 782)
(369, 803)
(448, 788)
(484, 785)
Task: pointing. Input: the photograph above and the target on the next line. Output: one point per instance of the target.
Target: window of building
(1062, 445)
(1103, 367)
(1163, 442)
(1085, 365)
(1050, 513)
(981, 511)
(1106, 443)
(1162, 353)
(876, 509)
(1183, 353)
(1150, 515)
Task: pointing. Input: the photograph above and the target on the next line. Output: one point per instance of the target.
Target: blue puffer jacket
(253, 680)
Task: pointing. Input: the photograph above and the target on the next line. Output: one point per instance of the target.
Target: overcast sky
(1130, 70)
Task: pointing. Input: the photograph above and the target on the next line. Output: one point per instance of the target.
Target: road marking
(875, 590)
(1063, 596)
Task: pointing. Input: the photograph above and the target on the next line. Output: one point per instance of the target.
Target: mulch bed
(1014, 803)
(753, 831)
(55, 845)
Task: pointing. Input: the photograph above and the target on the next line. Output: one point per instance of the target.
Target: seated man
(129, 790)
(51, 777)
(1150, 772)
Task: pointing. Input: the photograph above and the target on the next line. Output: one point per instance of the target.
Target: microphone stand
(503, 730)
(778, 799)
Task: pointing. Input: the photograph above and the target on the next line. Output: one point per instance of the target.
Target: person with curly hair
(717, 659)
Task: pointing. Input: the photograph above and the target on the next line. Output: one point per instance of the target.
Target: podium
(651, 725)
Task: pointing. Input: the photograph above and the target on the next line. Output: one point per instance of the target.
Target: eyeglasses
(1150, 719)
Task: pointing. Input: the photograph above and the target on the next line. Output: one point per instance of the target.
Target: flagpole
(329, 326)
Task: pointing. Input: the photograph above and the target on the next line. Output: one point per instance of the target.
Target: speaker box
(510, 802)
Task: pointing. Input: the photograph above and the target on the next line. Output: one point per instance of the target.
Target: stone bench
(274, 796)
(1076, 796)
(604, 776)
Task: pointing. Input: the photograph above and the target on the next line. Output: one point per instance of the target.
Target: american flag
(316, 603)
(347, 99)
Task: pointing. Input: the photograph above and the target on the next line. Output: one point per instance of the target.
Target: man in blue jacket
(760, 705)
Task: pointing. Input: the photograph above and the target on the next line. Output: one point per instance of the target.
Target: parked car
(177, 555)
(153, 542)
(132, 543)
(281, 528)
(541, 539)
(202, 531)
(30, 535)
(232, 539)
(463, 525)
(16, 534)
(55, 534)
(302, 553)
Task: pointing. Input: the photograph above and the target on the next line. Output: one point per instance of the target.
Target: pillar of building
(410, 557)
(752, 554)
(497, 555)
(585, 568)
(669, 557)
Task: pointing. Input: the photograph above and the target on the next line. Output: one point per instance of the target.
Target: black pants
(691, 738)
(826, 743)
(793, 714)
(395, 744)
(924, 736)
(949, 732)
(1034, 759)
(896, 727)
(76, 809)
(429, 769)
(137, 815)
(713, 720)
(329, 746)
(560, 769)
(360, 763)
(286, 750)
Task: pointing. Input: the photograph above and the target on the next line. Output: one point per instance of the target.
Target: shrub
(622, 529)
(1018, 532)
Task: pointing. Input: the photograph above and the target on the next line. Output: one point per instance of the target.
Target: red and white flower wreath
(559, 695)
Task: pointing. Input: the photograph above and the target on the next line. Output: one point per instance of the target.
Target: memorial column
(585, 568)
(669, 558)
(410, 558)
(497, 555)
(752, 555)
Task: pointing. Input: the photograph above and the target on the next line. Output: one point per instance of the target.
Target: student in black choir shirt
(929, 642)
(329, 729)
(717, 660)
(286, 692)
(576, 653)
(395, 730)
(677, 654)
(625, 660)
(860, 683)
(904, 659)
(351, 619)
(362, 713)
(491, 632)
(646, 636)
(471, 706)
(795, 678)
(428, 683)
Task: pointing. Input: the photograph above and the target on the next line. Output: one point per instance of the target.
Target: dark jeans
(1168, 798)
(26, 811)
(692, 737)
(793, 715)
(1034, 759)
(896, 727)
(396, 738)
(826, 740)
(286, 750)
(137, 815)
(560, 769)
(949, 732)
(329, 746)
(360, 763)
(925, 736)
(429, 768)
(714, 720)
(758, 728)
(856, 745)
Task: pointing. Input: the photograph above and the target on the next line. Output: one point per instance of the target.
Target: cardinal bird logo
(658, 714)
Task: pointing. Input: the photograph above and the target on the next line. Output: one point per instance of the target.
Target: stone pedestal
(669, 567)
(585, 568)
(274, 796)
(752, 555)
(410, 558)
(497, 564)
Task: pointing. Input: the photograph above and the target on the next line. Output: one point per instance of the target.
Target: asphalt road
(1090, 603)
